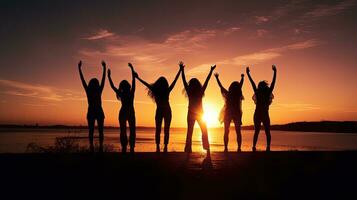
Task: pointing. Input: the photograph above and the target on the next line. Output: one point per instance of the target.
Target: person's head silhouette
(194, 87)
(159, 88)
(263, 85)
(124, 88)
(93, 85)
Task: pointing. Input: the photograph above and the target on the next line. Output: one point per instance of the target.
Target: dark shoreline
(322, 126)
(276, 175)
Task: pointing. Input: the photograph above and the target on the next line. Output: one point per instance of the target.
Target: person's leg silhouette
(167, 123)
(158, 124)
(266, 124)
(237, 125)
(91, 123)
(123, 136)
(190, 124)
(100, 123)
(204, 131)
(226, 134)
(257, 123)
(132, 137)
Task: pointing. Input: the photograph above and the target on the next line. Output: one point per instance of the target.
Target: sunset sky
(312, 43)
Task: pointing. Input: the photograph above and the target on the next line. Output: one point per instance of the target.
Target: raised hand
(80, 64)
(131, 66)
(213, 67)
(242, 75)
(136, 75)
(182, 66)
(247, 70)
(103, 63)
(216, 75)
(274, 68)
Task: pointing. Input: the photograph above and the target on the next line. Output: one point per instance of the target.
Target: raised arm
(133, 75)
(274, 78)
(143, 82)
(111, 82)
(103, 76)
(175, 80)
(208, 77)
(81, 75)
(182, 68)
(251, 80)
(223, 90)
(241, 80)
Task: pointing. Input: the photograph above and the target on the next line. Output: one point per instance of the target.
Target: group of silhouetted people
(160, 91)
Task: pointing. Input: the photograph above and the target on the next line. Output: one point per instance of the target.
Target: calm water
(16, 140)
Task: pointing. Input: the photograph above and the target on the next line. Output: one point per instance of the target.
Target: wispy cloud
(261, 19)
(142, 51)
(297, 46)
(329, 10)
(17, 88)
(259, 56)
(231, 30)
(100, 34)
(262, 32)
(252, 58)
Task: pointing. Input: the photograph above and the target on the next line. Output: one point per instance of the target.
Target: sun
(211, 114)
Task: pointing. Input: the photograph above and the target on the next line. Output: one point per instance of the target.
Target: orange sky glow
(311, 45)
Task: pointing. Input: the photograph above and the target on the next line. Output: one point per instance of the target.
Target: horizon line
(178, 127)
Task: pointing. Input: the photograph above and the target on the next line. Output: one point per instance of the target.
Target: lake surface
(16, 140)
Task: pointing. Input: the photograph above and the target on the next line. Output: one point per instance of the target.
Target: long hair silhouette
(194, 88)
(159, 88)
(195, 92)
(95, 111)
(263, 96)
(123, 89)
(160, 91)
(125, 93)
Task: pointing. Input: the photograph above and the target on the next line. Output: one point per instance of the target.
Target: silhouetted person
(263, 96)
(160, 92)
(195, 92)
(232, 109)
(125, 93)
(95, 110)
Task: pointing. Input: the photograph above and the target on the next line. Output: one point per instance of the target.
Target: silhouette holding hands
(232, 109)
(125, 93)
(95, 111)
(195, 92)
(160, 91)
(263, 97)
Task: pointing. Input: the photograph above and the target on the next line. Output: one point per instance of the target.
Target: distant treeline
(322, 126)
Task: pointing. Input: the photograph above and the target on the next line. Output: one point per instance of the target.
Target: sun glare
(211, 114)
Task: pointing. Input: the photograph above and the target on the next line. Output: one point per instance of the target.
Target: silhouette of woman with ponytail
(232, 110)
(263, 97)
(125, 93)
(95, 111)
(195, 92)
(160, 91)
